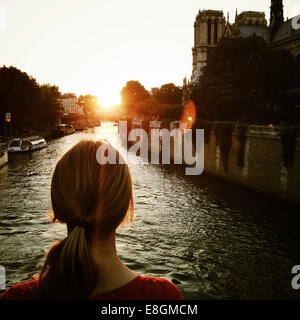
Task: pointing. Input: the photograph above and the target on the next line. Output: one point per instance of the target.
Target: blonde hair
(92, 199)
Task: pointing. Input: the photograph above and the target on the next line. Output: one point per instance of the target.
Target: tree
(31, 105)
(49, 98)
(168, 93)
(242, 76)
(164, 103)
(89, 103)
(132, 95)
(228, 88)
(279, 74)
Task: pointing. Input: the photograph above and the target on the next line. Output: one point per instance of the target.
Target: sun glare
(108, 99)
(106, 106)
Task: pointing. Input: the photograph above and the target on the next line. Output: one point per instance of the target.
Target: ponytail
(93, 200)
(69, 271)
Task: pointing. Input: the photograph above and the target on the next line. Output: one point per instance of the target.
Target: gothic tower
(209, 29)
(276, 16)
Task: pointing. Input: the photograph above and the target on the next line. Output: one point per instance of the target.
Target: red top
(140, 288)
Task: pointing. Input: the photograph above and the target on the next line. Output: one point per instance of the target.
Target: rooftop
(256, 14)
(286, 31)
(203, 13)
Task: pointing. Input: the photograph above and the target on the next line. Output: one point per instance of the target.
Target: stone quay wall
(254, 159)
(263, 167)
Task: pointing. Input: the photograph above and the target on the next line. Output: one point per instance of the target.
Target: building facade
(208, 30)
(70, 105)
(210, 26)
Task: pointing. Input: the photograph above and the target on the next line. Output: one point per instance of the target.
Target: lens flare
(188, 116)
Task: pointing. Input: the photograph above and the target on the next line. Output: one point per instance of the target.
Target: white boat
(26, 144)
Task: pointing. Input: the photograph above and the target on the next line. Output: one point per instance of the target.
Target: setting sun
(106, 106)
(108, 97)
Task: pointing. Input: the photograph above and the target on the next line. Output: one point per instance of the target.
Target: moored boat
(62, 129)
(80, 127)
(26, 144)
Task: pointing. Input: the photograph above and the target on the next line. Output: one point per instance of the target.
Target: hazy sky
(95, 46)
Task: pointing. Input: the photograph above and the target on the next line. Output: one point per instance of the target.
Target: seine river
(218, 240)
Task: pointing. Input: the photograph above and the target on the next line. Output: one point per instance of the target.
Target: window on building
(209, 31)
(216, 31)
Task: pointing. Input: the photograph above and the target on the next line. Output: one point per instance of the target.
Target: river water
(217, 239)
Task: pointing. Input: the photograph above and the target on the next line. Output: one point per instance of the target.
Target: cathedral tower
(208, 30)
(276, 16)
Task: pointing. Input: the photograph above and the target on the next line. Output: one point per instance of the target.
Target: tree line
(32, 106)
(163, 102)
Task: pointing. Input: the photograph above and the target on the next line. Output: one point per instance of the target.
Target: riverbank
(46, 134)
(262, 158)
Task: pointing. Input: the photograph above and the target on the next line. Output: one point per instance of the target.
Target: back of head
(93, 199)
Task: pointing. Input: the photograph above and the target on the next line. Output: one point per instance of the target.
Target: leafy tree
(279, 74)
(168, 93)
(49, 98)
(132, 95)
(89, 103)
(31, 105)
(165, 103)
(243, 76)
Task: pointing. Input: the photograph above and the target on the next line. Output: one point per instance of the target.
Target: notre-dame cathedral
(210, 26)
